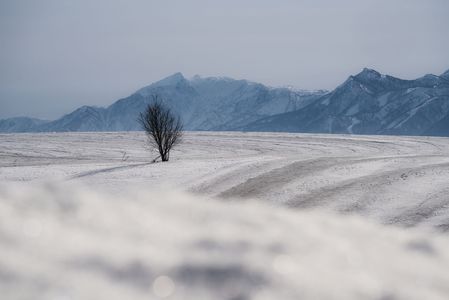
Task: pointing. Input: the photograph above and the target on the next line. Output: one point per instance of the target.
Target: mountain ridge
(365, 103)
(204, 103)
(371, 103)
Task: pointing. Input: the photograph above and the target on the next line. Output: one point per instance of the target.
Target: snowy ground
(87, 216)
(399, 180)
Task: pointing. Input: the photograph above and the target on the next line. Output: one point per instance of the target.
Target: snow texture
(394, 180)
(231, 216)
(66, 242)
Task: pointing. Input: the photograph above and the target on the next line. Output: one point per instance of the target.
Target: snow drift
(61, 241)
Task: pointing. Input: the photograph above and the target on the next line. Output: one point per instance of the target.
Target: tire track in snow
(370, 191)
(232, 175)
(274, 179)
(429, 209)
(108, 170)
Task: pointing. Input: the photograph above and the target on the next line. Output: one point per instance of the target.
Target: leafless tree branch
(163, 127)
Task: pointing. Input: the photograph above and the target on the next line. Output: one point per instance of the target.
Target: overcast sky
(56, 55)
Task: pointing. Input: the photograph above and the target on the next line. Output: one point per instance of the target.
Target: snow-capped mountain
(366, 103)
(212, 103)
(372, 103)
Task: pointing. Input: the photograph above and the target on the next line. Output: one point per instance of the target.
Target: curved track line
(107, 170)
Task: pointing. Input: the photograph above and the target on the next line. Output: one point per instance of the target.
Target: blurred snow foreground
(60, 241)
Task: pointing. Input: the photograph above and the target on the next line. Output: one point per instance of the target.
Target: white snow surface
(344, 173)
(231, 216)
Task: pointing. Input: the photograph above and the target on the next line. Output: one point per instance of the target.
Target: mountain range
(372, 103)
(366, 103)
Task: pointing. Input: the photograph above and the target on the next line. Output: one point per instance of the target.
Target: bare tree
(162, 127)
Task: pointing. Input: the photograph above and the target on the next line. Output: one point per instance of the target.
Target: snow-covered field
(396, 180)
(88, 216)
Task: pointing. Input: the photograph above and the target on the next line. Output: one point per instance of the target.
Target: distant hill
(20, 124)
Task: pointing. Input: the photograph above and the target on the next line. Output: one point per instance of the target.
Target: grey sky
(56, 55)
